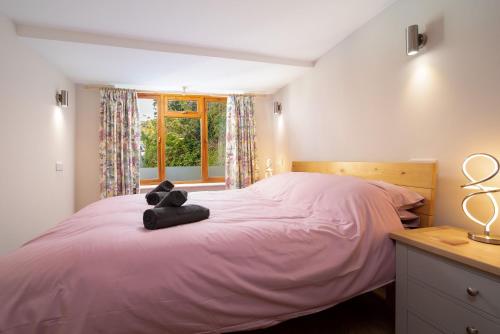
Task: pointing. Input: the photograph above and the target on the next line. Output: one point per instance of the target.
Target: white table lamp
(474, 184)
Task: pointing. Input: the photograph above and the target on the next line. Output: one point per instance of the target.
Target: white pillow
(402, 198)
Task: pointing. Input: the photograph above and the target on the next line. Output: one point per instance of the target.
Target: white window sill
(190, 187)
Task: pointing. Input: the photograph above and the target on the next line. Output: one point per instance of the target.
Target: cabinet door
(446, 314)
(453, 280)
(419, 326)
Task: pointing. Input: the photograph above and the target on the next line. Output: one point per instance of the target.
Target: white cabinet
(436, 292)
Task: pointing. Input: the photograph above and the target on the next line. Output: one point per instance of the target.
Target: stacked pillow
(403, 200)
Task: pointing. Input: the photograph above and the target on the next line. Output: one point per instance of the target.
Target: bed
(290, 245)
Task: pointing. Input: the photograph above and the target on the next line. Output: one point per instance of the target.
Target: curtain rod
(172, 92)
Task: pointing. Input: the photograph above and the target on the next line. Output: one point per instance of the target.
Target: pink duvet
(287, 246)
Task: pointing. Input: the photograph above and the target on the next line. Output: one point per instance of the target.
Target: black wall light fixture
(62, 98)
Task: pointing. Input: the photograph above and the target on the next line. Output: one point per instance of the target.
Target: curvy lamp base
(487, 239)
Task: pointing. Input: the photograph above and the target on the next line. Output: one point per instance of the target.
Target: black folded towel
(156, 197)
(171, 216)
(173, 198)
(152, 198)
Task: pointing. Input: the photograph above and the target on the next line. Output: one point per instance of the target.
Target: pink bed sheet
(286, 246)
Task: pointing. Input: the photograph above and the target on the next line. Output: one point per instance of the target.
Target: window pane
(183, 149)
(182, 105)
(216, 114)
(148, 118)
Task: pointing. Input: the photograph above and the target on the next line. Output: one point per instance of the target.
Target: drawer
(419, 326)
(454, 280)
(444, 314)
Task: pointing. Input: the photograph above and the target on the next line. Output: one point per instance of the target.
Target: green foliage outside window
(182, 105)
(149, 140)
(216, 114)
(183, 142)
(183, 137)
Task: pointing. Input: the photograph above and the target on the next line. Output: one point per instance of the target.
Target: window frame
(201, 114)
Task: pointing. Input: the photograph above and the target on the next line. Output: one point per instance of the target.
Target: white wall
(87, 131)
(87, 144)
(34, 134)
(264, 130)
(366, 100)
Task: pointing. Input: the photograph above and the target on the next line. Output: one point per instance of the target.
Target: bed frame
(417, 176)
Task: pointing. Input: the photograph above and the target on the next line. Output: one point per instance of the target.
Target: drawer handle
(472, 292)
(472, 330)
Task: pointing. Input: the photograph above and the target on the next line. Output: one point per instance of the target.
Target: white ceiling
(151, 70)
(255, 40)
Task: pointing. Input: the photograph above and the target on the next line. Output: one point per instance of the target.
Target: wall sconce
(277, 108)
(62, 98)
(414, 40)
(486, 237)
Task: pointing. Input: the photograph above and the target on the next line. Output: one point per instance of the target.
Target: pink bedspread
(286, 246)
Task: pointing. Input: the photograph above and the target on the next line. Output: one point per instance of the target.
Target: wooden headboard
(417, 176)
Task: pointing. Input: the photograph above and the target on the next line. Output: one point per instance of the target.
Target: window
(216, 115)
(182, 138)
(148, 120)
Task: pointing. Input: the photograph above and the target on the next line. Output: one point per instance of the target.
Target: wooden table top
(453, 243)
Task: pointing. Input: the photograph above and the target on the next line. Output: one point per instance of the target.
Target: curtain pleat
(119, 139)
(241, 156)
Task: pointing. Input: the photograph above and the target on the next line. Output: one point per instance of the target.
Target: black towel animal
(163, 217)
(157, 194)
(174, 198)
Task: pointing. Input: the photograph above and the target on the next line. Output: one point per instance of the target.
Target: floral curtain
(119, 139)
(241, 157)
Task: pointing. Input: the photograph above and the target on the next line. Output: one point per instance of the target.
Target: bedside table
(446, 283)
